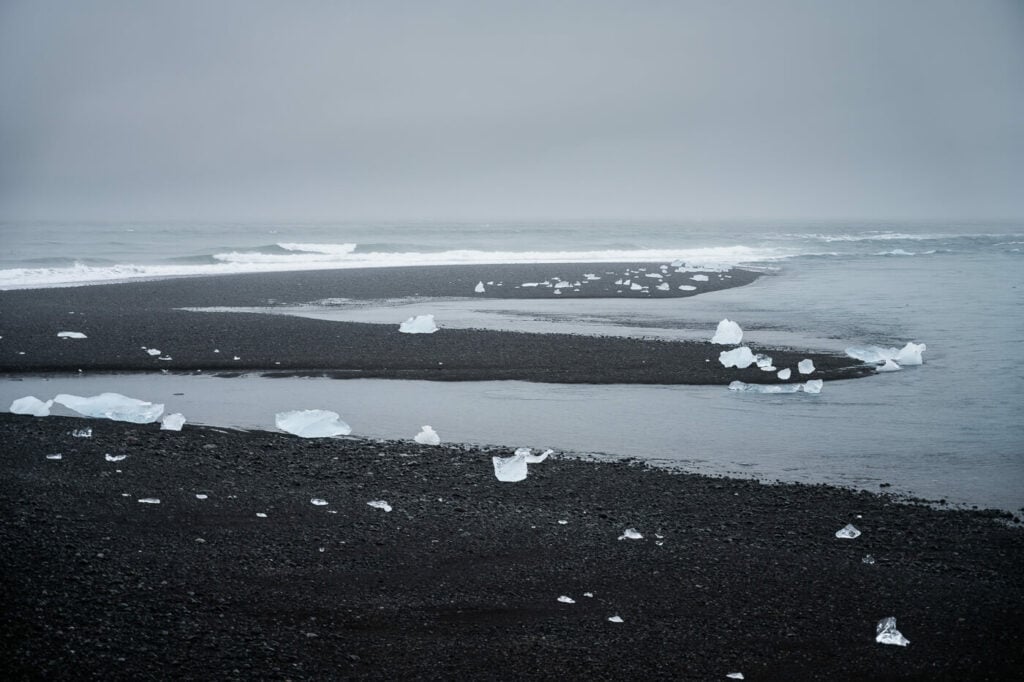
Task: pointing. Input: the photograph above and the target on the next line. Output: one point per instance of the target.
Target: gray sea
(952, 428)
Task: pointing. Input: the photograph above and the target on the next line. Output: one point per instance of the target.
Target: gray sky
(338, 110)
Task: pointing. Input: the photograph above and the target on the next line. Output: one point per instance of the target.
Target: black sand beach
(121, 319)
(461, 580)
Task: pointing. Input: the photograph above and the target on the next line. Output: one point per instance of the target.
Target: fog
(517, 110)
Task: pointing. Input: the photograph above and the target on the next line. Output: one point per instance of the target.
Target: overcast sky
(301, 110)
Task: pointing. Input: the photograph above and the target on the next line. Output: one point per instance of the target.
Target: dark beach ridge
(120, 319)
(462, 579)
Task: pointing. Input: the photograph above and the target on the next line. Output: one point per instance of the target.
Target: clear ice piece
(427, 436)
(312, 423)
(71, 335)
(114, 458)
(740, 358)
(318, 502)
(82, 433)
(31, 405)
(112, 406)
(728, 333)
(868, 559)
(631, 534)
(566, 600)
(510, 469)
(479, 288)
(420, 324)
(848, 532)
(173, 422)
(735, 676)
(805, 366)
(149, 500)
(380, 504)
(615, 619)
(56, 455)
(886, 633)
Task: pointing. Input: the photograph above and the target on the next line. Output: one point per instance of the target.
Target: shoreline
(462, 577)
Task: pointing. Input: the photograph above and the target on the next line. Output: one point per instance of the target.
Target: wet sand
(461, 580)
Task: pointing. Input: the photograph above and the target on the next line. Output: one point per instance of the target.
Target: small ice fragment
(149, 500)
(910, 354)
(112, 406)
(261, 515)
(173, 422)
(848, 532)
(868, 559)
(699, 278)
(566, 600)
(312, 423)
(510, 469)
(805, 366)
(735, 676)
(81, 433)
(888, 366)
(318, 502)
(728, 333)
(200, 496)
(687, 287)
(234, 358)
(125, 495)
(216, 350)
(635, 287)
(741, 358)
(588, 594)
(631, 534)
(813, 386)
(886, 633)
(532, 458)
(615, 619)
(764, 363)
(562, 522)
(55, 456)
(153, 351)
(653, 275)
(31, 405)
(530, 284)
(784, 374)
(663, 287)
(114, 458)
(427, 436)
(563, 285)
(420, 324)
(380, 504)
(71, 335)
(323, 549)
(479, 288)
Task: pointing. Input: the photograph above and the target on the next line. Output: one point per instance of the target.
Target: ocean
(952, 428)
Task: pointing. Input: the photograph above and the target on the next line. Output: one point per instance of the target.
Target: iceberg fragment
(728, 333)
(566, 600)
(699, 278)
(379, 504)
(312, 423)
(261, 515)
(112, 406)
(510, 469)
(427, 436)
(735, 676)
(886, 633)
(71, 335)
(805, 366)
(318, 502)
(686, 287)
(910, 354)
(847, 532)
(201, 496)
(631, 534)
(31, 405)
(149, 500)
(479, 288)
(420, 324)
(740, 358)
(764, 363)
(55, 456)
(868, 559)
(588, 594)
(173, 422)
(888, 366)
(615, 619)
(81, 433)
(784, 374)
(536, 459)
(153, 351)
(114, 458)
(813, 386)
(663, 287)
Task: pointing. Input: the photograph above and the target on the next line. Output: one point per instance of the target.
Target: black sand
(120, 319)
(461, 579)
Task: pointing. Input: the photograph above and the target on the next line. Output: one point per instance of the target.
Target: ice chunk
(510, 469)
(201, 496)
(764, 363)
(312, 423)
(479, 288)
(653, 275)
(536, 459)
(31, 405)
(82, 433)
(380, 504)
(153, 351)
(805, 366)
(631, 534)
(663, 287)
(530, 284)
(55, 456)
(615, 619)
(318, 502)
(784, 374)
(261, 515)
(687, 287)
(886, 633)
(563, 285)
(421, 324)
(740, 358)
(112, 406)
(114, 458)
(149, 500)
(868, 559)
(173, 422)
(728, 333)
(910, 354)
(566, 600)
(699, 278)
(888, 366)
(588, 594)
(427, 436)
(813, 386)
(735, 676)
(635, 287)
(71, 335)
(848, 532)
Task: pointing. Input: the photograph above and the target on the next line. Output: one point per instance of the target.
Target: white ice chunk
(31, 405)
(312, 423)
(635, 287)
(687, 287)
(114, 458)
(784, 374)
(910, 354)
(886, 633)
(699, 278)
(201, 496)
(380, 504)
(868, 559)
(563, 285)
(728, 333)
(536, 459)
(427, 436)
(261, 515)
(318, 502)
(421, 324)
(615, 619)
(153, 351)
(71, 335)
(663, 287)
(805, 366)
(149, 500)
(814, 386)
(764, 362)
(848, 532)
(735, 676)
(740, 358)
(588, 594)
(510, 469)
(631, 534)
(173, 422)
(566, 600)
(653, 275)
(479, 288)
(888, 366)
(82, 433)
(530, 284)
(112, 406)
(55, 456)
